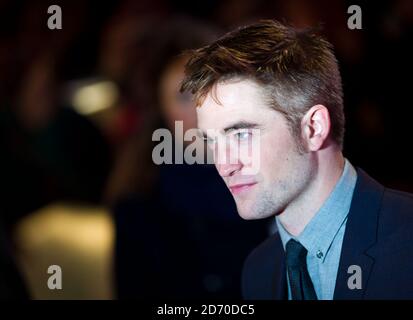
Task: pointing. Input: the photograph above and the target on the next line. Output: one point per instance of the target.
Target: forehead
(232, 101)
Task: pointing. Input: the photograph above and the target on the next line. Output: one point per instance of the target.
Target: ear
(315, 127)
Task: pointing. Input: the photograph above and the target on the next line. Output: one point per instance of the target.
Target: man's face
(236, 111)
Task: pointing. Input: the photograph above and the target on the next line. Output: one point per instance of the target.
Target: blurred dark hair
(158, 46)
(166, 42)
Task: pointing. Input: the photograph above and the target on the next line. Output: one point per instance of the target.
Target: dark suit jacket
(378, 238)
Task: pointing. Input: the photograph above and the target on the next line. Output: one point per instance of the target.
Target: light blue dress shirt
(323, 235)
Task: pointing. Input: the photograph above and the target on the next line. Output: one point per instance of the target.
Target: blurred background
(78, 106)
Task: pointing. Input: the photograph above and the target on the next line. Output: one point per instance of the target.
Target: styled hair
(296, 68)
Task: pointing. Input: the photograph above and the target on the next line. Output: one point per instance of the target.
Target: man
(341, 235)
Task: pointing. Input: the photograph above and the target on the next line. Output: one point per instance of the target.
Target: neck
(299, 212)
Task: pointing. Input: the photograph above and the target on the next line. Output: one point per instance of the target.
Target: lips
(241, 188)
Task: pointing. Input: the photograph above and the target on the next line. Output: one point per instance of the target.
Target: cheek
(277, 155)
(249, 154)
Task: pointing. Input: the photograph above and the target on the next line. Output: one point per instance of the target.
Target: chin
(248, 214)
(250, 211)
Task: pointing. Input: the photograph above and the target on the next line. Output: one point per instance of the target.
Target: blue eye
(243, 135)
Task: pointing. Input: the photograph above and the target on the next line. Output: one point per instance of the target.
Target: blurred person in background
(167, 244)
(48, 152)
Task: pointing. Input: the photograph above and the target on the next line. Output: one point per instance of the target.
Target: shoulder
(395, 208)
(393, 252)
(392, 219)
(404, 200)
(396, 214)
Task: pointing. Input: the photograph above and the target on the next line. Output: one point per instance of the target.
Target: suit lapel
(360, 235)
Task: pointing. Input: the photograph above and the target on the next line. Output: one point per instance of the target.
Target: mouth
(237, 189)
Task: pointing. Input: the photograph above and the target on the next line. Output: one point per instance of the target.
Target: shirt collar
(320, 232)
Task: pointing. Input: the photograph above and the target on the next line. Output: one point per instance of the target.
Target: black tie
(300, 282)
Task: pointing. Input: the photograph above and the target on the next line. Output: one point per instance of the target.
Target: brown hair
(296, 68)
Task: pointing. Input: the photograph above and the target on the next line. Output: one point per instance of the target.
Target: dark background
(49, 152)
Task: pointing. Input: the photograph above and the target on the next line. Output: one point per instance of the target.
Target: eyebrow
(234, 126)
(241, 125)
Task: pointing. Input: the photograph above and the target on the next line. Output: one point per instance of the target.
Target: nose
(226, 158)
(227, 170)
(226, 165)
